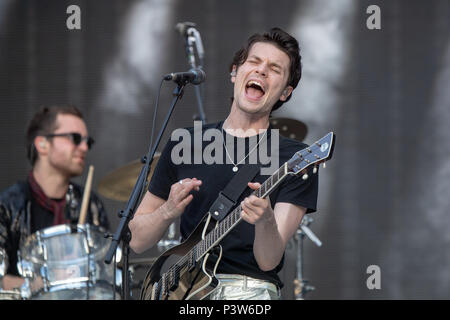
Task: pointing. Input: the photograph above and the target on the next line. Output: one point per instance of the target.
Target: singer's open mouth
(254, 89)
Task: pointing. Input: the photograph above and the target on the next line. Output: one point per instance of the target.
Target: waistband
(238, 280)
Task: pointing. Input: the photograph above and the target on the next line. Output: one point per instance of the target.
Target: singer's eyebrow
(271, 64)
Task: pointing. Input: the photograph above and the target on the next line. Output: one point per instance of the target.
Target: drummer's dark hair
(44, 122)
(285, 42)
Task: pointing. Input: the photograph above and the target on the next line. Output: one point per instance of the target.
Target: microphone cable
(152, 136)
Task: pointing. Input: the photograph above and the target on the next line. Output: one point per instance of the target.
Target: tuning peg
(315, 170)
(305, 176)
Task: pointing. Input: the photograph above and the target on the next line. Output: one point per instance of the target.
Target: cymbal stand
(301, 286)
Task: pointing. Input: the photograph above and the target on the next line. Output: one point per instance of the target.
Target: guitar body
(193, 280)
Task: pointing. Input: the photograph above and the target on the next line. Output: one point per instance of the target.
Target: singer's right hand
(180, 197)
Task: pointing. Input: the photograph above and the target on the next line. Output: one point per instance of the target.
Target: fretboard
(231, 220)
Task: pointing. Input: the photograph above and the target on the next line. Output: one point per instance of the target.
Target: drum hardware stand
(301, 285)
(123, 232)
(90, 273)
(108, 235)
(164, 245)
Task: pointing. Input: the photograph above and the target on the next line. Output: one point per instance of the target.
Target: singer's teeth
(256, 85)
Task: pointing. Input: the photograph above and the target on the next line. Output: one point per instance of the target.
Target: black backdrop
(383, 198)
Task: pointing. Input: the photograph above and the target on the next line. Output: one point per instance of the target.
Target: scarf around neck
(54, 205)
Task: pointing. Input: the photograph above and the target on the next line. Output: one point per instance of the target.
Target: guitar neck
(226, 225)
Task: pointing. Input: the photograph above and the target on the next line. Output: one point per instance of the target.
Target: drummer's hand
(180, 197)
(37, 284)
(10, 282)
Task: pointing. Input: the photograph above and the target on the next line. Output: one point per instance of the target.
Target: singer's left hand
(256, 210)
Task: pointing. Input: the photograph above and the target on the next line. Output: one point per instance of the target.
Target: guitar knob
(324, 165)
(305, 176)
(315, 170)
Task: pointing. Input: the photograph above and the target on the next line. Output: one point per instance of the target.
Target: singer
(264, 73)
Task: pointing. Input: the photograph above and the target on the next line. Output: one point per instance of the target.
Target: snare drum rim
(50, 232)
(60, 230)
(101, 286)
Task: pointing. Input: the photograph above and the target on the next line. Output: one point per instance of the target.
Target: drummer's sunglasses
(75, 137)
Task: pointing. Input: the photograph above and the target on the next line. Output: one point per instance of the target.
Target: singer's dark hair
(284, 42)
(43, 123)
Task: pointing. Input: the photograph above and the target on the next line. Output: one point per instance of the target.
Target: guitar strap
(228, 197)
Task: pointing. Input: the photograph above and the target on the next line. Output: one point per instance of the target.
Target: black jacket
(15, 220)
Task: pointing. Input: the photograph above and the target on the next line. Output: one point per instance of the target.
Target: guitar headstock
(317, 153)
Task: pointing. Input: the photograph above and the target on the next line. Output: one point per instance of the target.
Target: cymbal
(290, 128)
(119, 183)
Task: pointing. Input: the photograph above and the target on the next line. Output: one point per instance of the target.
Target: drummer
(57, 143)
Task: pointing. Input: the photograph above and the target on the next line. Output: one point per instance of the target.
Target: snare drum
(70, 261)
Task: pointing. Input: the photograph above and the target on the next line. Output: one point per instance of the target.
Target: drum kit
(66, 262)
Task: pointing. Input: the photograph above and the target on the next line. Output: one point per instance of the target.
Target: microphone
(194, 76)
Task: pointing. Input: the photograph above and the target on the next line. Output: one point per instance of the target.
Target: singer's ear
(233, 74)
(286, 92)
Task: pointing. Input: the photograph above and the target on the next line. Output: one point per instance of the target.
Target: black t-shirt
(237, 245)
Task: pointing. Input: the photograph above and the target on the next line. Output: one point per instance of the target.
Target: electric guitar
(180, 273)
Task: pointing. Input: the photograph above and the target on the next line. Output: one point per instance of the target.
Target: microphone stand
(301, 285)
(123, 232)
(190, 38)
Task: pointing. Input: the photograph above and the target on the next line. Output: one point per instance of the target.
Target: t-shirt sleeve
(164, 175)
(297, 191)
(300, 192)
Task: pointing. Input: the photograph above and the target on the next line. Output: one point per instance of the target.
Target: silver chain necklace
(235, 165)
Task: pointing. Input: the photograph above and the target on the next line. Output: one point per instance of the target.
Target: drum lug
(25, 268)
(41, 246)
(92, 271)
(44, 274)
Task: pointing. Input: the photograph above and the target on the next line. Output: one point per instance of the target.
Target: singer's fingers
(185, 201)
(254, 185)
(185, 187)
